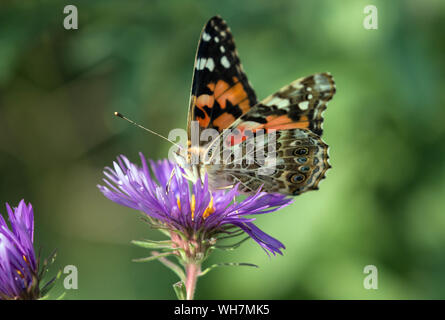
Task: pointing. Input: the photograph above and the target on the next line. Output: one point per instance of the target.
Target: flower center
(208, 211)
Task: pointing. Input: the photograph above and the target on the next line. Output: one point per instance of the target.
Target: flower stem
(192, 272)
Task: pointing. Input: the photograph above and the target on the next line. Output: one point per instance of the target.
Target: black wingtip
(216, 20)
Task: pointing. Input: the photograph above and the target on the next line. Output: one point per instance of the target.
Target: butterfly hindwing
(221, 92)
(295, 161)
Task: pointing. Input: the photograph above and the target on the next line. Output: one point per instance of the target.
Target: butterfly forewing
(221, 92)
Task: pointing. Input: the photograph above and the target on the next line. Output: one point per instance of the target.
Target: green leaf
(180, 290)
(50, 284)
(46, 263)
(150, 244)
(165, 231)
(151, 258)
(172, 266)
(228, 264)
(61, 296)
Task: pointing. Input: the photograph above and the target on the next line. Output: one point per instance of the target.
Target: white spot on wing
(200, 64)
(303, 105)
(280, 103)
(283, 103)
(210, 64)
(221, 48)
(206, 36)
(273, 101)
(205, 63)
(225, 62)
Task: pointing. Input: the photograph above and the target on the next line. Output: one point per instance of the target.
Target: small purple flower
(20, 277)
(197, 212)
(18, 266)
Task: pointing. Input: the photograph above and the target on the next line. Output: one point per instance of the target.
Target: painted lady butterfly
(222, 98)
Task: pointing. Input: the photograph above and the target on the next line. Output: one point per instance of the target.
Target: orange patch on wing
(224, 121)
(276, 120)
(204, 122)
(284, 123)
(220, 88)
(244, 106)
(235, 94)
(201, 102)
(223, 92)
(303, 122)
(205, 100)
(211, 86)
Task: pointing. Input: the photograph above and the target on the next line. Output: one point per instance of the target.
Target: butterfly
(222, 100)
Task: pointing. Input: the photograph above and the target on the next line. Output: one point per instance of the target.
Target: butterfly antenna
(120, 115)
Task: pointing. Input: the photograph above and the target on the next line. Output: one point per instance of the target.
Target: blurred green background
(382, 203)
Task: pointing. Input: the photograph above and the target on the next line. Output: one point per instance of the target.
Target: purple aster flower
(19, 268)
(195, 217)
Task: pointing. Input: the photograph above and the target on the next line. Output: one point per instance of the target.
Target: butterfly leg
(167, 187)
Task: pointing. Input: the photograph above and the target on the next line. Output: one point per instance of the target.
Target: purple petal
(164, 194)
